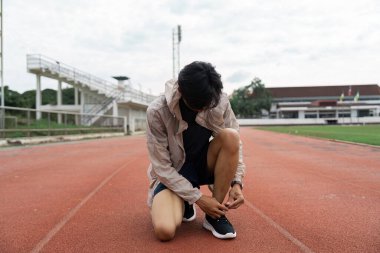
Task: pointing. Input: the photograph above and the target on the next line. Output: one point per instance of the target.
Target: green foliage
(11, 97)
(68, 96)
(28, 98)
(45, 124)
(251, 100)
(49, 97)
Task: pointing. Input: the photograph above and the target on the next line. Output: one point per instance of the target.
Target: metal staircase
(104, 92)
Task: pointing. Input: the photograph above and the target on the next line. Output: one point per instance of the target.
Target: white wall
(268, 122)
(136, 118)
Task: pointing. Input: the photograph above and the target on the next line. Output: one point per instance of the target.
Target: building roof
(325, 91)
(121, 78)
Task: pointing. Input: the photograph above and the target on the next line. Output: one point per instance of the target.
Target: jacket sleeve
(158, 148)
(231, 122)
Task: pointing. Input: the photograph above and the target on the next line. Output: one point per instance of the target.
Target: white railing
(37, 63)
(43, 63)
(134, 95)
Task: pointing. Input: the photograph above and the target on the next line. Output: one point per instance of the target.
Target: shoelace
(223, 219)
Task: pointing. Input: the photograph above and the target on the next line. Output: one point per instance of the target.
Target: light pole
(179, 41)
(1, 54)
(177, 33)
(2, 110)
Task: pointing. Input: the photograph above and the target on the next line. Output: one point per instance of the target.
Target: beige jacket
(165, 142)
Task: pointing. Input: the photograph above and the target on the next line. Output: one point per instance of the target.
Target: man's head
(200, 85)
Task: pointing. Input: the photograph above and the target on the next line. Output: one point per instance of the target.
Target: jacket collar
(173, 96)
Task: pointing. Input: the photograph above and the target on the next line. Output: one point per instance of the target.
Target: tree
(49, 97)
(251, 100)
(68, 96)
(12, 98)
(28, 98)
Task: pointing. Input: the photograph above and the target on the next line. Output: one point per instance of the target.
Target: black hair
(200, 85)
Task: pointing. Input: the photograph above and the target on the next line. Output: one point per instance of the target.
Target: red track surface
(303, 195)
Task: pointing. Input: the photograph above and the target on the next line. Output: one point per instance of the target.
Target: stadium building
(344, 104)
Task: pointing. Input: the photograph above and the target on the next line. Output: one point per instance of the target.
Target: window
(344, 114)
(289, 115)
(327, 114)
(363, 113)
(311, 114)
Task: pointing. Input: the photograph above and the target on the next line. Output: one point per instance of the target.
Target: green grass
(44, 124)
(368, 134)
(41, 128)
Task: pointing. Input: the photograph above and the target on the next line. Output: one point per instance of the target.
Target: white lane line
(69, 215)
(280, 229)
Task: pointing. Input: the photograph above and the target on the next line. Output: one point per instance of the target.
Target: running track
(302, 195)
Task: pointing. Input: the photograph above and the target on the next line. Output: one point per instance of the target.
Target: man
(180, 124)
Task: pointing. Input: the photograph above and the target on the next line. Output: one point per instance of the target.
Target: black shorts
(195, 171)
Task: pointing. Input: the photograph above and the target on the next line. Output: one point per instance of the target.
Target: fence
(320, 121)
(21, 122)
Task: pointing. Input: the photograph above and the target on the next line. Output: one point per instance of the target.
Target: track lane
(323, 193)
(325, 199)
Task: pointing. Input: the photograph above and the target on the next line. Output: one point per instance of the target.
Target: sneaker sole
(208, 226)
(192, 217)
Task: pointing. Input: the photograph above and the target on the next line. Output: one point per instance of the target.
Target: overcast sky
(284, 43)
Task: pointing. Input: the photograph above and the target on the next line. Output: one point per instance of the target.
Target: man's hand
(211, 206)
(235, 198)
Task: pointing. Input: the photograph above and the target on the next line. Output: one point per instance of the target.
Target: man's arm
(158, 147)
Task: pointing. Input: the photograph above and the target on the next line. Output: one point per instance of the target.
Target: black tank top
(195, 137)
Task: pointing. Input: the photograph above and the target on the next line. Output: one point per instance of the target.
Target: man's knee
(230, 139)
(164, 232)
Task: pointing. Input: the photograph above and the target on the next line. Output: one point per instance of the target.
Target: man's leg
(167, 211)
(222, 160)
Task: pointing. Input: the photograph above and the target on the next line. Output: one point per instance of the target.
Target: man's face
(191, 108)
